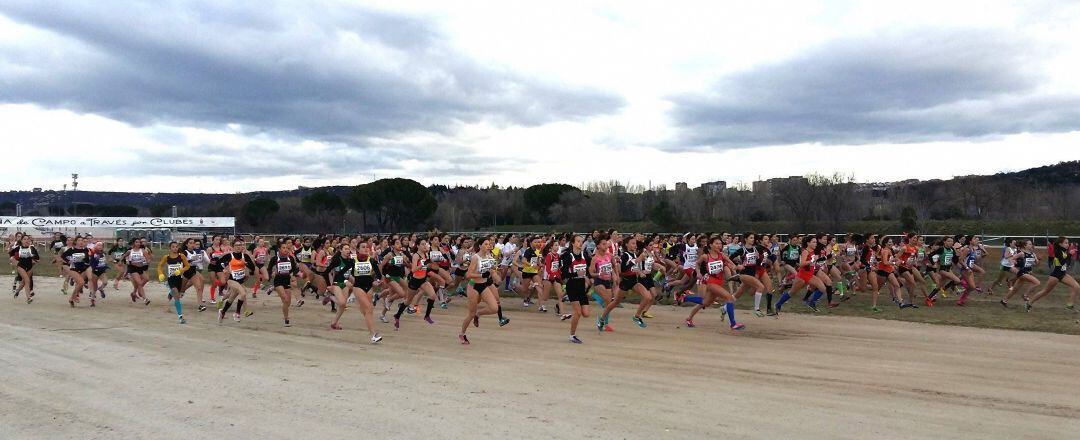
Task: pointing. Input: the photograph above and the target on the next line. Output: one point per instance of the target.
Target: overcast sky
(214, 96)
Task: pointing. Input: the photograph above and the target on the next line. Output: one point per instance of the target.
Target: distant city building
(714, 188)
(618, 189)
(681, 186)
(761, 186)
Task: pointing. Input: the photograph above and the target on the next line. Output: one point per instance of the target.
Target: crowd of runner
(393, 275)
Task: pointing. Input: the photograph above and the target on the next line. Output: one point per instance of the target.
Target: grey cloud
(911, 87)
(313, 70)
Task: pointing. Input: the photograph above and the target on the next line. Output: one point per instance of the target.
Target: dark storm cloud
(930, 85)
(321, 70)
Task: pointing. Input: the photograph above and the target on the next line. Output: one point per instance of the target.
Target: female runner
(575, 264)
(1024, 262)
(1059, 273)
(483, 279)
(24, 257)
(364, 276)
(171, 268)
(138, 260)
(711, 266)
(238, 265)
(283, 268)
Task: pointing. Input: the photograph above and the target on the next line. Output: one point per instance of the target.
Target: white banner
(117, 222)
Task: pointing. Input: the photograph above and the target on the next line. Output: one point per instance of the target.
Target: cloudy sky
(217, 96)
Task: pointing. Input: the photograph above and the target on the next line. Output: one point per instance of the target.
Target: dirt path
(128, 371)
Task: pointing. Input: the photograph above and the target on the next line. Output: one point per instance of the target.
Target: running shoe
(566, 316)
(463, 339)
(640, 322)
(411, 310)
(607, 328)
(220, 315)
(397, 324)
(558, 308)
(442, 305)
(757, 312)
(690, 324)
(542, 309)
(335, 327)
(647, 315)
(287, 324)
(147, 302)
(875, 309)
(476, 321)
(503, 322)
(182, 320)
(71, 302)
(1004, 303)
(299, 303)
(236, 317)
(526, 304)
(929, 302)
(92, 302)
(1027, 307)
(202, 308)
(376, 338)
(1070, 308)
(810, 305)
(133, 297)
(574, 339)
(737, 326)
(599, 324)
(834, 305)
(383, 319)
(213, 301)
(772, 313)
(248, 313)
(428, 320)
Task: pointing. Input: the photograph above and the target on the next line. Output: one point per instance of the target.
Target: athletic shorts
(752, 271)
(283, 281)
(415, 283)
(175, 282)
(26, 266)
(528, 275)
(1059, 273)
(627, 283)
(902, 270)
(600, 282)
(882, 273)
(136, 269)
(99, 272)
(190, 272)
(479, 288)
(1006, 268)
(689, 271)
(575, 289)
(364, 283)
(805, 275)
(647, 282)
(460, 273)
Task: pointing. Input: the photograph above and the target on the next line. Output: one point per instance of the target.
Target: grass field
(982, 310)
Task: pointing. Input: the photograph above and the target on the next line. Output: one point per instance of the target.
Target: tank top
(690, 256)
(137, 257)
(603, 267)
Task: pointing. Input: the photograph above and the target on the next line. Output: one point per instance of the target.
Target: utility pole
(74, 189)
(18, 209)
(174, 211)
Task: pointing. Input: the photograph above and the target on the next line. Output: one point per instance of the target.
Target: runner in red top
(711, 266)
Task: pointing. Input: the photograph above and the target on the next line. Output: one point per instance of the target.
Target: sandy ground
(122, 370)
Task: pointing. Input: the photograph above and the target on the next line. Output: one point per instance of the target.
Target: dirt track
(128, 371)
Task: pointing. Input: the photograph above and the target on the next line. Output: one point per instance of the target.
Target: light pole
(18, 209)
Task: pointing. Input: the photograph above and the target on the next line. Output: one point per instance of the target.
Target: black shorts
(1005, 268)
(792, 263)
(600, 282)
(627, 283)
(882, 273)
(480, 287)
(460, 273)
(215, 268)
(575, 289)
(415, 283)
(135, 269)
(190, 272)
(364, 283)
(239, 281)
(28, 266)
(175, 282)
(902, 270)
(749, 270)
(528, 275)
(99, 272)
(283, 281)
(1059, 273)
(647, 282)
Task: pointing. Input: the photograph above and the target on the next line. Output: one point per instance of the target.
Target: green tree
(159, 210)
(909, 219)
(322, 201)
(399, 204)
(256, 211)
(663, 216)
(540, 198)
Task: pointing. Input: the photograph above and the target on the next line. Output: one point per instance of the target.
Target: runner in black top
(283, 268)
(575, 264)
(24, 257)
(77, 259)
(1059, 273)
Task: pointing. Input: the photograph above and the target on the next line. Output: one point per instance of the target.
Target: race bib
(25, 253)
(579, 269)
(554, 266)
(751, 259)
(284, 266)
(716, 267)
(605, 269)
(175, 268)
(362, 268)
(238, 274)
(398, 260)
(485, 265)
(117, 255)
(646, 266)
(1029, 262)
(435, 256)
